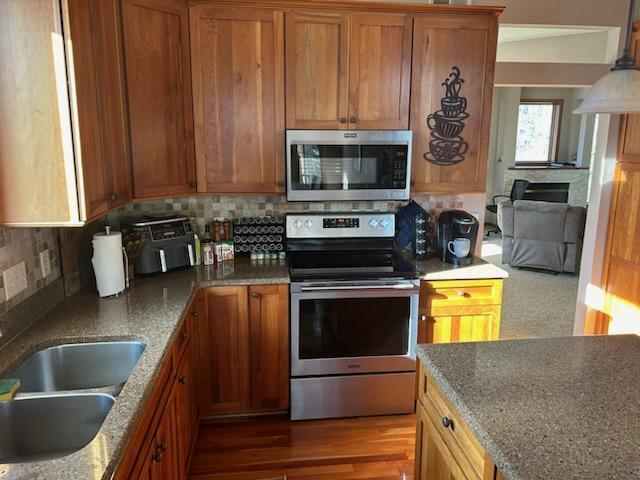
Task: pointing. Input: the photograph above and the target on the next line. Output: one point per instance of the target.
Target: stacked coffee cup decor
(447, 147)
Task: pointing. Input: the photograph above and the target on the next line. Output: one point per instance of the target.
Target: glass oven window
(348, 167)
(354, 327)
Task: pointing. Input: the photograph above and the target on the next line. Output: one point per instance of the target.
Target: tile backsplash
(203, 208)
(24, 245)
(70, 248)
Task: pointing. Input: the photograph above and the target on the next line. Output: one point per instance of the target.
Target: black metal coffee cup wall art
(447, 146)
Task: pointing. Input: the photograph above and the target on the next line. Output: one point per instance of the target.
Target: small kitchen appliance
(326, 165)
(168, 243)
(354, 317)
(457, 234)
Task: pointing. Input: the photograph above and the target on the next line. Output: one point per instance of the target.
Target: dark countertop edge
(497, 456)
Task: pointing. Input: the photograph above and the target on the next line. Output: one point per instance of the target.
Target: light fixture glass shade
(616, 92)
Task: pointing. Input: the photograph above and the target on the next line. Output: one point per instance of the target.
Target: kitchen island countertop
(552, 408)
(433, 269)
(150, 311)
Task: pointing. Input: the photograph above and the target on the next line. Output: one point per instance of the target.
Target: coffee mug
(460, 247)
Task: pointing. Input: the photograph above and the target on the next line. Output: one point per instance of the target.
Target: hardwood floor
(374, 448)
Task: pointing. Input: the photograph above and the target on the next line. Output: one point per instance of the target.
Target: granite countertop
(434, 268)
(150, 311)
(563, 408)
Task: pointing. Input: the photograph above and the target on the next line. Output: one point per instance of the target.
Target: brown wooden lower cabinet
(243, 349)
(230, 355)
(162, 443)
(446, 449)
(459, 311)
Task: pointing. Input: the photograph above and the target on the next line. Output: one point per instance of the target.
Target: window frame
(558, 105)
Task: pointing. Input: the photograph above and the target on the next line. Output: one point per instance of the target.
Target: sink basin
(78, 366)
(49, 426)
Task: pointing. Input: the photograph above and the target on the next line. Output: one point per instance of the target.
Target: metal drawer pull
(462, 293)
(423, 318)
(447, 422)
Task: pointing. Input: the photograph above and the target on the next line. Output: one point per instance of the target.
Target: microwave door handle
(163, 260)
(192, 260)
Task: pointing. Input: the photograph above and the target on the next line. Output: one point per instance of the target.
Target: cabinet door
(441, 42)
(166, 448)
(379, 71)
(238, 89)
(37, 165)
(462, 324)
(433, 459)
(103, 156)
(186, 414)
(156, 34)
(223, 351)
(316, 70)
(269, 327)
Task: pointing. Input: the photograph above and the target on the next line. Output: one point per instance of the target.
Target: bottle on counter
(208, 256)
(197, 248)
(216, 231)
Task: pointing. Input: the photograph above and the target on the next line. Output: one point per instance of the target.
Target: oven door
(348, 165)
(349, 328)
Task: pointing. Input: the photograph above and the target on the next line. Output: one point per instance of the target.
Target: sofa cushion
(539, 221)
(538, 254)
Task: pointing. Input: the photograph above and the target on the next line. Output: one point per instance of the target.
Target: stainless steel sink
(50, 425)
(78, 366)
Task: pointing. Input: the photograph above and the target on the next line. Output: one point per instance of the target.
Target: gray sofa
(541, 235)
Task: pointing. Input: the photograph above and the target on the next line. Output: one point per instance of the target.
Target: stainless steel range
(354, 315)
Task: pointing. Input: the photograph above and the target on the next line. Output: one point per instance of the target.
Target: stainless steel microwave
(325, 165)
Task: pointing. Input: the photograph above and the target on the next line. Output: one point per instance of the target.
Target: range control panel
(341, 225)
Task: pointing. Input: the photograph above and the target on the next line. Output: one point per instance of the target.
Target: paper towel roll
(108, 264)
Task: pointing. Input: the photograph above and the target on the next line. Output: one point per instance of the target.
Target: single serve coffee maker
(457, 234)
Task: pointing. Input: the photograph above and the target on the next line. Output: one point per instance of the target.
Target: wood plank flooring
(265, 448)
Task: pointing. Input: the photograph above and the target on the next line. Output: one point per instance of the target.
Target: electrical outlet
(15, 280)
(45, 263)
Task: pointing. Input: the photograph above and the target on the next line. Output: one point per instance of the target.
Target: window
(538, 131)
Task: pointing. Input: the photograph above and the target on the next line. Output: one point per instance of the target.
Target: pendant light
(619, 90)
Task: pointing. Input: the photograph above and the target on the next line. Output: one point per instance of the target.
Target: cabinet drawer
(463, 444)
(460, 293)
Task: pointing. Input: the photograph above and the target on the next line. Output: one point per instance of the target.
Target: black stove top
(348, 265)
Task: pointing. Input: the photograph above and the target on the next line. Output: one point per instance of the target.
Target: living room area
(542, 158)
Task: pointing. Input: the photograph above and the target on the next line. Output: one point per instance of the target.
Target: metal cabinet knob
(343, 119)
(462, 293)
(193, 184)
(412, 183)
(161, 447)
(185, 335)
(279, 183)
(182, 380)
(423, 318)
(194, 313)
(353, 119)
(255, 294)
(114, 196)
(447, 422)
(157, 457)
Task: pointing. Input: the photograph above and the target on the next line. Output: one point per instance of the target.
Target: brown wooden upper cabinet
(238, 90)
(156, 34)
(64, 154)
(347, 70)
(440, 43)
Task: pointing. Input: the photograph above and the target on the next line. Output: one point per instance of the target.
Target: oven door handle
(361, 287)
